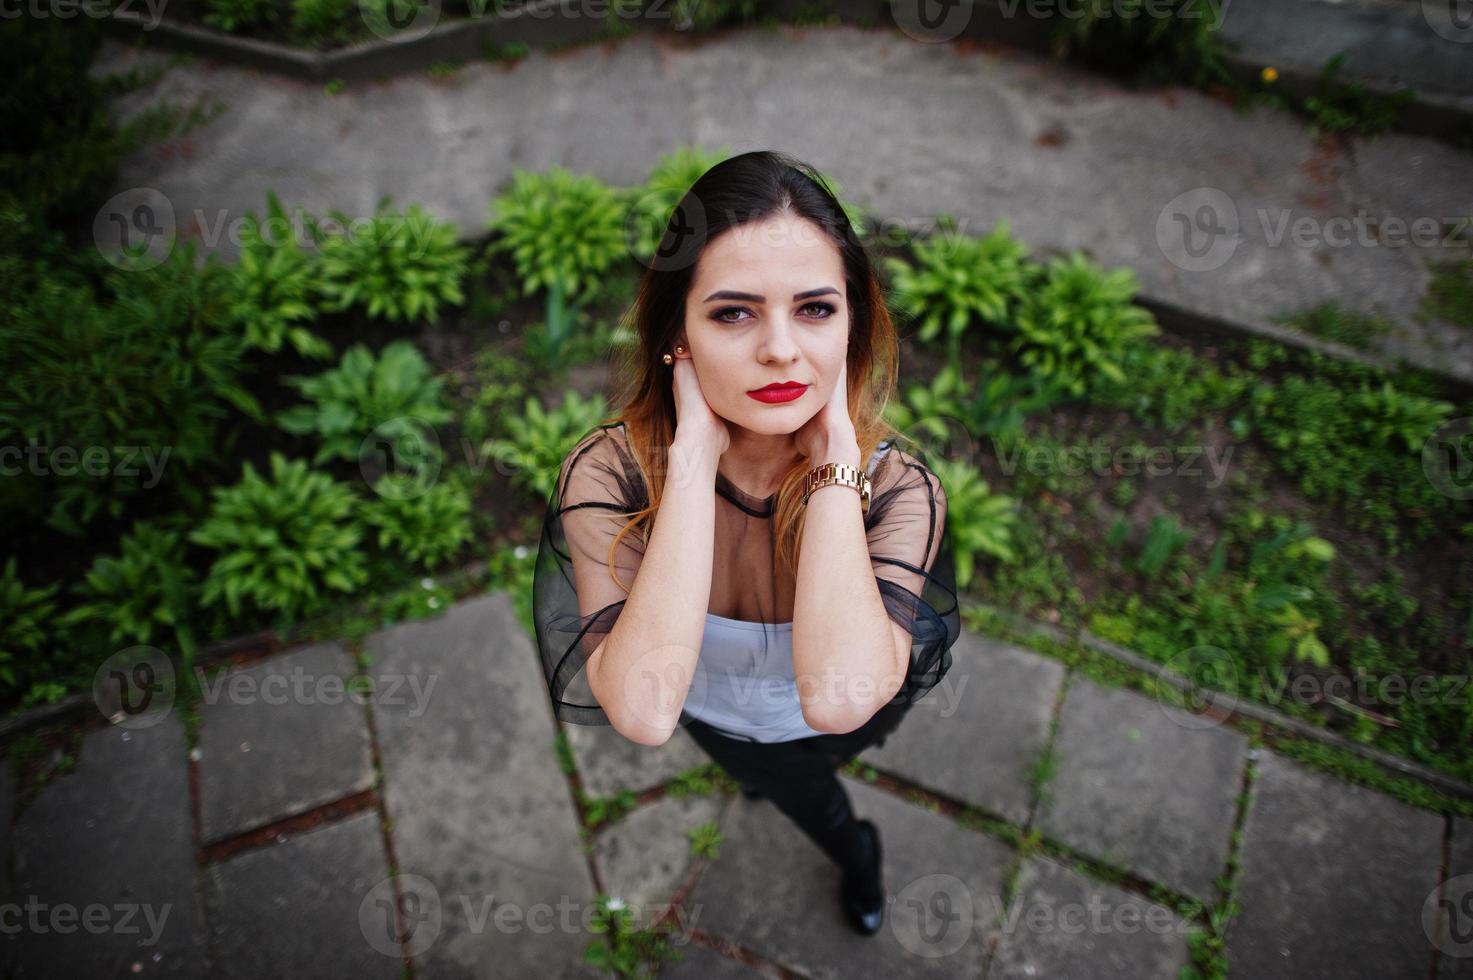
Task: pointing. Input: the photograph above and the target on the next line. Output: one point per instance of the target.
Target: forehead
(780, 248)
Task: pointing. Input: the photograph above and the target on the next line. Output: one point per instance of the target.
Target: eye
(826, 308)
(720, 315)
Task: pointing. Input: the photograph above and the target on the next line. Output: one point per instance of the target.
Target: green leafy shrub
(667, 183)
(322, 20)
(396, 266)
(958, 280)
(538, 440)
(1175, 43)
(564, 233)
(25, 626)
(629, 952)
(1169, 387)
(1080, 322)
(426, 528)
(275, 286)
(995, 407)
(142, 593)
(235, 16)
(980, 521)
(1349, 441)
(284, 542)
(391, 395)
(1164, 539)
(148, 381)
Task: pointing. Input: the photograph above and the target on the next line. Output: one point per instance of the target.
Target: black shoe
(863, 892)
(750, 792)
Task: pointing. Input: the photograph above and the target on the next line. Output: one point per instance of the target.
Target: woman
(703, 565)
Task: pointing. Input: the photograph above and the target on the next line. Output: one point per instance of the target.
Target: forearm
(642, 673)
(843, 646)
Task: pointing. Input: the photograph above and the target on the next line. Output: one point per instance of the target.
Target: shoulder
(602, 465)
(902, 466)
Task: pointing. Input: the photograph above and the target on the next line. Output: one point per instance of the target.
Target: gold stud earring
(668, 359)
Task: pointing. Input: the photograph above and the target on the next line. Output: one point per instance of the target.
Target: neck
(757, 462)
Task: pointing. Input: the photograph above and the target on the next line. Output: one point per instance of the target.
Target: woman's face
(767, 305)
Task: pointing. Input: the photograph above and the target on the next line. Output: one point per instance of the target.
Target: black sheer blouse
(576, 600)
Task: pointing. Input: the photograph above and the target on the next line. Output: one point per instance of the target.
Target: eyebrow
(754, 298)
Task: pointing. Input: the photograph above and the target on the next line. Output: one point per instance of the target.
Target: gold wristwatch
(850, 476)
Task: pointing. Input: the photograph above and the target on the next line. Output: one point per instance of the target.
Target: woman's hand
(829, 435)
(702, 433)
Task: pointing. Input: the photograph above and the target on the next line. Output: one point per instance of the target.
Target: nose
(778, 343)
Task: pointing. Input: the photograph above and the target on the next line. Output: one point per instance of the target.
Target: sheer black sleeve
(575, 598)
(911, 552)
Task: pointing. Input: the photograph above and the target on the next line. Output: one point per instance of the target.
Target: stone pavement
(318, 814)
(1237, 219)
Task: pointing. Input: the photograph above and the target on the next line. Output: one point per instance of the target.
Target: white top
(744, 681)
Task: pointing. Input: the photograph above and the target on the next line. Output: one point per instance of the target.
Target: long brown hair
(747, 188)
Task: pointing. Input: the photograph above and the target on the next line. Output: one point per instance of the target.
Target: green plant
(1080, 322)
(321, 20)
(233, 16)
(980, 521)
(25, 615)
(1148, 42)
(957, 280)
(1330, 321)
(274, 286)
(283, 542)
(666, 184)
(144, 590)
(392, 397)
(564, 232)
(140, 389)
(629, 952)
(995, 407)
(426, 528)
(537, 440)
(1164, 538)
(1450, 293)
(1389, 415)
(398, 266)
(705, 840)
(1349, 107)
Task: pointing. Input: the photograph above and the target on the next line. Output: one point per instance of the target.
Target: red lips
(778, 391)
